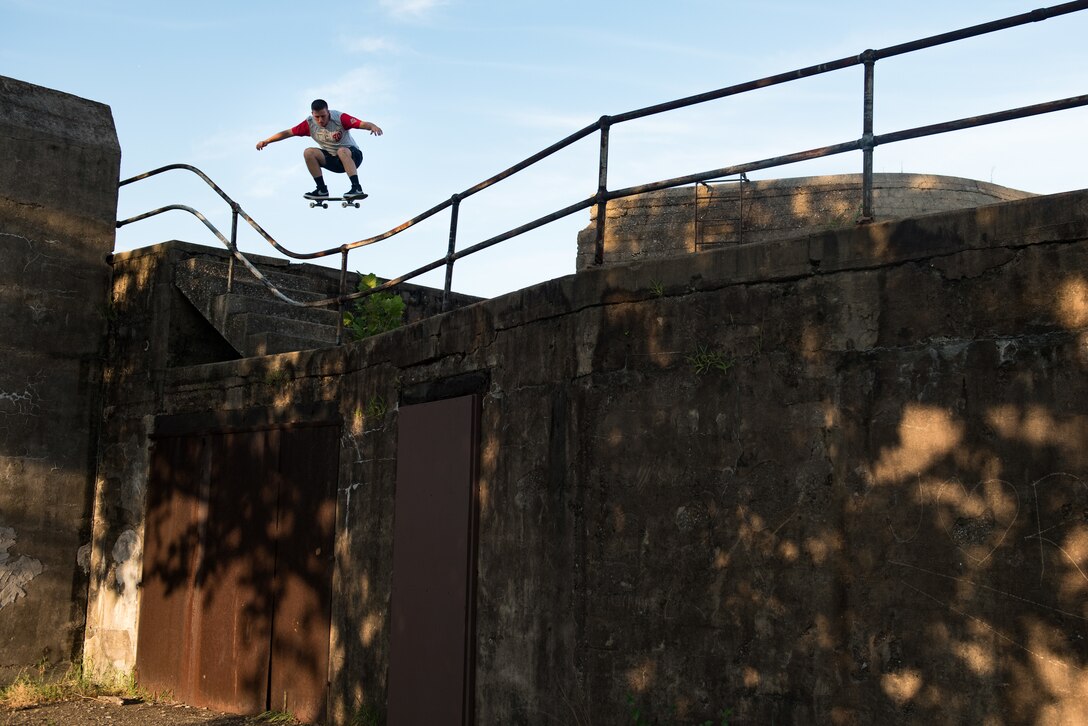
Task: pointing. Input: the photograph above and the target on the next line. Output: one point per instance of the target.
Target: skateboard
(344, 201)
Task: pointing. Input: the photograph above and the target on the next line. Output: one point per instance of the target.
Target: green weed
(376, 408)
(375, 313)
(704, 360)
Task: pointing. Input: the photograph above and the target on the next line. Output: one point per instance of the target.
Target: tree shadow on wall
(237, 580)
(875, 512)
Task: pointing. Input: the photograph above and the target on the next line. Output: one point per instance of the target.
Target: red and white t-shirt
(335, 134)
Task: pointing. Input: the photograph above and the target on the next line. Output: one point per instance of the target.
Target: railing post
(233, 246)
(602, 191)
(869, 59)
(455, 208)
(341, 302)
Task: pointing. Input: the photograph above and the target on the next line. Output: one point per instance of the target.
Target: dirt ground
(96, 712)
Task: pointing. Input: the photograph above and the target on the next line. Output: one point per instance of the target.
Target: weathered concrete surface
(839, 479)
(58, 200)
(155, 328)
(700, 217)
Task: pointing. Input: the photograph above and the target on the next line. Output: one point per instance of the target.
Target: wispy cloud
(407, 9)
(350, 88)
(369, 45)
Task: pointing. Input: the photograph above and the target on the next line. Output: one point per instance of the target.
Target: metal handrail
(867, 143)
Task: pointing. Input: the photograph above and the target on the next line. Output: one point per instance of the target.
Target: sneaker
(355, 193)
(317, 194)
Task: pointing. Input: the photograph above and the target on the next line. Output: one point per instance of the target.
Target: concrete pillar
(59, 165)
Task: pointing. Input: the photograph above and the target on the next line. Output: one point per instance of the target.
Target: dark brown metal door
(432, 641)
(236, 603)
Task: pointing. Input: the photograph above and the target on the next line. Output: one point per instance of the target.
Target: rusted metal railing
(866, 144)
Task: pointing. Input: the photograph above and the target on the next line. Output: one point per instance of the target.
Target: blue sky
(466, 88)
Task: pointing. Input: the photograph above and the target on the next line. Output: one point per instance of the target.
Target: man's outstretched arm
(285, 134)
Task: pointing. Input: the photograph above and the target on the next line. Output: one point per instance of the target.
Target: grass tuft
(44, 685)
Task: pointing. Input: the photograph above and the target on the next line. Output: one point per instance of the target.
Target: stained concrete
(834, 479)
(691, 219)
(155, 328)
(58, 200)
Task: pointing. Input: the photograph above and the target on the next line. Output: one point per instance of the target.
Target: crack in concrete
(25, 403)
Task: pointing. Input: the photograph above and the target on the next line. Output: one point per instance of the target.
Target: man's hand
(367, 126)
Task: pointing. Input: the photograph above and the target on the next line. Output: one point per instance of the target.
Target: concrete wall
(155, 329)
(700, 217)
(837, 479)
(58, 200)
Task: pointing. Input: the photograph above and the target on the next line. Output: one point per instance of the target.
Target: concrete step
(239, 303)
(256, 322)
(272, 343)
(250, 317)
(204, 279)
(241, 326)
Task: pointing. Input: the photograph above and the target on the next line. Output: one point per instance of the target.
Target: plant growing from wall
(375, 313)
(704, 360)
(376, 408)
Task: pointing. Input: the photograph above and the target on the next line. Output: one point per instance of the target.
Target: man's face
(322, 117)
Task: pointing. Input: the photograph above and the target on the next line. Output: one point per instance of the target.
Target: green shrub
(375, 313)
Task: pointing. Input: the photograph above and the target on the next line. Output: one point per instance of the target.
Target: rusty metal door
(237, 572)
(432, 638)
(298, 679)
(172, 553)
(237, 568)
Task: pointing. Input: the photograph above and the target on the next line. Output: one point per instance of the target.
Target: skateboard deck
(344, 201)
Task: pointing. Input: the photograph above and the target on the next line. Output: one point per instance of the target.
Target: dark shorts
(332, 162)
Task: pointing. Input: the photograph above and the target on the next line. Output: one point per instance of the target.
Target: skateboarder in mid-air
(338, 153)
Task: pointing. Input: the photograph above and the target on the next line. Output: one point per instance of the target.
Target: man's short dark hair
(318, 105)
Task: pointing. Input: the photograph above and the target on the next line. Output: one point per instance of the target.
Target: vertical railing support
(602, 191)
(233, 246)
(454, 209)
(342, 302)
(869, 59)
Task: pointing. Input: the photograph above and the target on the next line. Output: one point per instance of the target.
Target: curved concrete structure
(692, 219)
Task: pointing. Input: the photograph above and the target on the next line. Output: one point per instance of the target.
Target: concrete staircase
(250, 317)
(255, 322)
